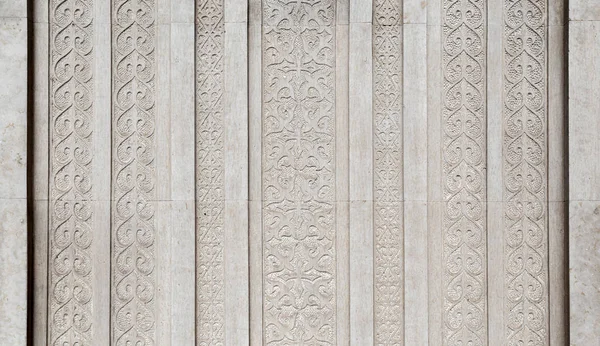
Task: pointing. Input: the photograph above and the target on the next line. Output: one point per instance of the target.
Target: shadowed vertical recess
(210, 197)
(525, 152)
(388, 172)
(298, 172)
(134, 173)
(464, 178)
(70, 183)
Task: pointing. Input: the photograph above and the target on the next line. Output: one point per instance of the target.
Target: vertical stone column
(13, 172)
(584, 171)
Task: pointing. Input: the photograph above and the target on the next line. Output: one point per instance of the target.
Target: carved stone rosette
(70, 201)
(464, 172)
(134, 173)
(210, 199)
(525, 172)
(388, 173)
(299, 172)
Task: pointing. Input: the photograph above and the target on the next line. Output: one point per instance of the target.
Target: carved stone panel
(210, 199)
(71, 125)
(134, 173)
(525, 151)
(464, 175)
(298, 174)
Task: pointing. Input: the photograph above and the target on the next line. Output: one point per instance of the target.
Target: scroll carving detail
(210, 197)
(525, 172)
(299, 172)
(388, 177)
(70, 203)
(464, 176)
(134, 173)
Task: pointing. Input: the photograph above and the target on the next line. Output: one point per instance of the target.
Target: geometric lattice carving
(70, 201)
(525, 172)
(388, 172)
(299, 172)
(134, 173)
(210, 187)
(464, 176)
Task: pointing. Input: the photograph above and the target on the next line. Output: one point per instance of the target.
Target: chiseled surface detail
(70, 207)
(298, 172)
(389, 211)
(463, 160)
(525, 167)
(210, 313)
(134, 176)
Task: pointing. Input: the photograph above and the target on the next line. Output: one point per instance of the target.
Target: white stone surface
(258, 172)
(13, 173)
(584, 174)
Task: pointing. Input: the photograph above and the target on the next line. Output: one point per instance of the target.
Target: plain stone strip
(558, 236)
(182, 138)
(235, 224)
(40, 178)
(584, 10)
(361, 11)
(13, 168)
(255, 171)
(164, 208)
(584, 177)
(361, 183)
(102, 173)
(434, 174)
(342, 174)
(415, 184)
(495, 178)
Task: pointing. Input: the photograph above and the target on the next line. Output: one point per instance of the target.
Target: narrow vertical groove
(464, 176)
(70, 202)
(133, 317)
(525, 172)
(388, 173)
(210, 197)
(299, 224)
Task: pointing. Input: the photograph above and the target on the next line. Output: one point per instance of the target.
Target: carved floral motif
(464, 176)
(388, 173)
(299, 172)
(70, 205)
(210, 312)
(525, 170)
(134, 174)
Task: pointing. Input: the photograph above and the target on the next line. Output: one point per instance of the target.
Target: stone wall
(283, 172)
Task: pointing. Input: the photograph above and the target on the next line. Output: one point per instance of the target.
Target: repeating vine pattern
(388, 168)
(210, 285)
(299, 172)
(525, 167)
(464, 160)
(134, 176)
(70, 205)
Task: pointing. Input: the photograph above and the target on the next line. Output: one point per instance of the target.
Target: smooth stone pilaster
(13, 172)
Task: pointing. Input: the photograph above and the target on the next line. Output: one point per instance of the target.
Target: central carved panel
(299, 172)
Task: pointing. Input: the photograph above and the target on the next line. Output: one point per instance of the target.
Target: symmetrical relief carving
(299, 172)
(464, 175)
(70, 202)
(134, 174)
(388, 176)
(525, 172)
(210, 199)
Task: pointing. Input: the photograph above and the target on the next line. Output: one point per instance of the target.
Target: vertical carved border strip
(388, 177)
(134, 173)
(210, 199)
(299, 172)
(525, 172)
(464, 176)
(70, 202)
